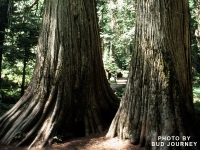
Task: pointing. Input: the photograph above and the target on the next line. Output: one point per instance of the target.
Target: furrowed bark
(69, 85)
(158, 96)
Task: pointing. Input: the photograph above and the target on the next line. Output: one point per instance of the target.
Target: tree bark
(69, 84)
(158, 98)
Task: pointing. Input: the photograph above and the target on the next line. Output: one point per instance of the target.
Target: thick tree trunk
(158, 97)
(69, 84)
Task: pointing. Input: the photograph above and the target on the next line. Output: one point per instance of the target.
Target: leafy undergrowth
(196, 95)
(119, 87)
(119, 91)
(4, 107)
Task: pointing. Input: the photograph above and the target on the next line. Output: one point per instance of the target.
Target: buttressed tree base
(69, 84)
(158, 100)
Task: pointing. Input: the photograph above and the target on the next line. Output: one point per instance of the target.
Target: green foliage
(196, 79)
(19, 48)
(9, 95)
(196, 95)
(11, 81)
(110, 64)
(117, 21)
(10, 87)
(119, 91)
(58, 138)
(197, 107)
(19, 135)
(14, 72)
(22, 33)
(4, 107)
(195, 34)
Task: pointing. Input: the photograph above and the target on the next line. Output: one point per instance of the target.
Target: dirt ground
(93, 142)
(120, 81)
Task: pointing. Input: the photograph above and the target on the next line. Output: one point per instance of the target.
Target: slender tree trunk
(24, 71)
(69, 84)
(3, 23)
(1, 53)
(111, 45)
(158, 97)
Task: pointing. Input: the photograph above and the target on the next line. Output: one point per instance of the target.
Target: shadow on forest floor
(93, 142)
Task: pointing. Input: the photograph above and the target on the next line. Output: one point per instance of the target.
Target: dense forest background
(21, 20)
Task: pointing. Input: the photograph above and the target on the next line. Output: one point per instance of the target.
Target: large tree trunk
(158, 98)
(69, 84)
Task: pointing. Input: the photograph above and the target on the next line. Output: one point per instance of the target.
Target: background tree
(116, 20)
(3, 24)
(158, 97)
(195, 38)
(69, 85)
(20, 42)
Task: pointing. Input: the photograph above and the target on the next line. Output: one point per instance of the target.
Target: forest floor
(93, 142)
(120, 81)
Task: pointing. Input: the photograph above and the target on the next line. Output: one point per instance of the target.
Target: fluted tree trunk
(69, 82)
(158, 98)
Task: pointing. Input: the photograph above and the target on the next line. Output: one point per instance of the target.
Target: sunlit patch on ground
(93, 142)
(97, 142)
